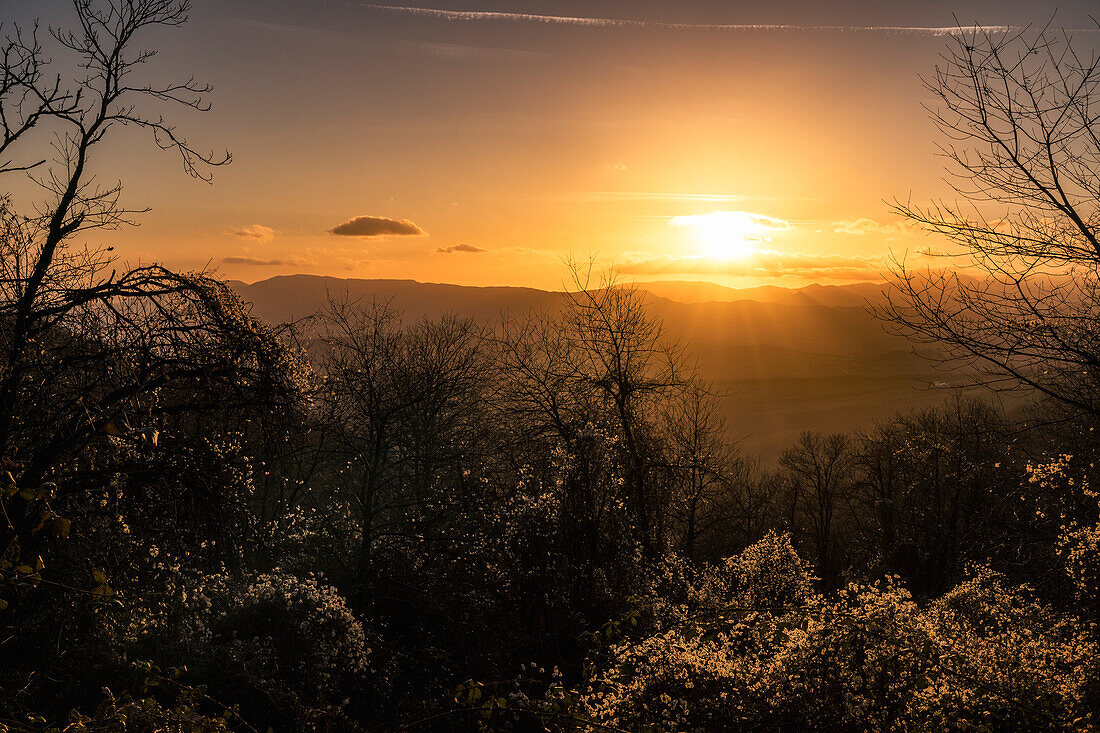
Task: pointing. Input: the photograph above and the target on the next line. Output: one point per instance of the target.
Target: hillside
(686, 291)
(788, 360)
(291, 297)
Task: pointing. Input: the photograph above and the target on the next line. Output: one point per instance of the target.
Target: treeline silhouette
(366, 522)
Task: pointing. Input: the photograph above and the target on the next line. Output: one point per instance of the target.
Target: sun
(729, 235)
(725, 237)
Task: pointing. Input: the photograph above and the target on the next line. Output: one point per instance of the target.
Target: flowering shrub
(778, 655)
(1004, 660)
(849, 661)
(768, 573)
(1081, 550)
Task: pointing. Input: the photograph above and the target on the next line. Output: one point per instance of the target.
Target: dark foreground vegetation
(362, 523)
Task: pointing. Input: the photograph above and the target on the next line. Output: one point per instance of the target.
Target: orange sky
(510, 143)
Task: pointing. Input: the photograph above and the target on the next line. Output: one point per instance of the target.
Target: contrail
(475, 15)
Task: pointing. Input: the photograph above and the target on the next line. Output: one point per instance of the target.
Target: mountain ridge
(783, 367)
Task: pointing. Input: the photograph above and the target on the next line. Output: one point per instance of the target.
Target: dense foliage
(442, 524)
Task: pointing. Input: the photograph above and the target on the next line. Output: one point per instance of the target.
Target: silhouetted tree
(624, 359)
(818, 479)
(1019, 303)
(110, 378)
(61, 310)
(928, 492)
(706, 500)
(406, 412)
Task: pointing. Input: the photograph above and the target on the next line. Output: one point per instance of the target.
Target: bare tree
(601, 361)
(45, 276)
(89, 351)
(818, 477)
(927, 491)
(706, 475)
(406, 418)
(626, 361)
(1019, 302)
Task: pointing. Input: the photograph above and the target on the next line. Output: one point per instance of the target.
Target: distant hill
(791, 360)
(788, 335)
(686, 291)
(291, 297)
(288, 297)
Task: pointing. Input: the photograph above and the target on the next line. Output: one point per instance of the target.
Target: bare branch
(1019, 310)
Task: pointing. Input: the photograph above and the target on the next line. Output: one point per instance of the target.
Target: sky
(743, 143)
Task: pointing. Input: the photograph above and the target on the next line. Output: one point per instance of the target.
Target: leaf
(61, 526)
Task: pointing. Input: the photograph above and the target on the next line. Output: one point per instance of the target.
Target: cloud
(470, 15)
(743, 224)
(545, 254)
(456, 248)
(377, 226)
(863, 226)
(257, 262)
(763, 264)
(257, 232)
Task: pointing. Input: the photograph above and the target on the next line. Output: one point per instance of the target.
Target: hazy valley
(785, 360)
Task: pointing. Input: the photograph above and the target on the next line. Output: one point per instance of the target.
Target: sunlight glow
(730, 235)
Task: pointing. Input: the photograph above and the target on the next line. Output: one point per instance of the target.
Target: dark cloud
(378, 226)
(255, 261)
(456, 248)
